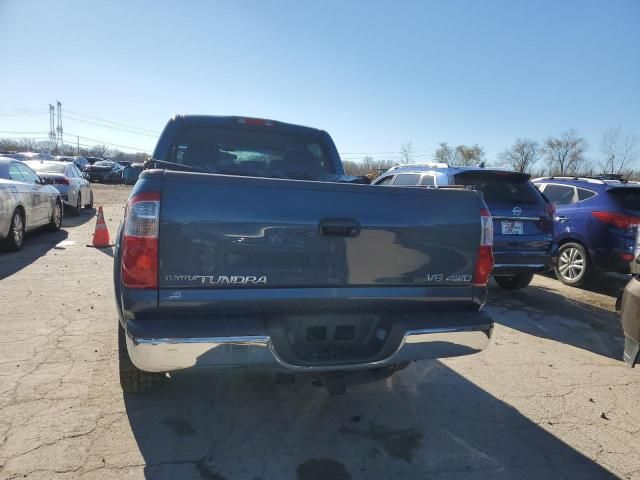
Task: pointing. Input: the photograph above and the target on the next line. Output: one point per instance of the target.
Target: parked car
(131, 173)
(251, 248)
(93, 160)
(105, 171)
(80, 162)
(26, 202)
(24, 156)
(522, 219)
(630, 317)
(595, 224)
(75, 190)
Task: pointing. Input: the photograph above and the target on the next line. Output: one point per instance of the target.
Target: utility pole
(78, 149)
(59, 128)
(52, 128)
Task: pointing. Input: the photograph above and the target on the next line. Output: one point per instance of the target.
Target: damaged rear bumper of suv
(155, 349)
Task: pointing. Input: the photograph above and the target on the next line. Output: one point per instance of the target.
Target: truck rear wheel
(132, 379)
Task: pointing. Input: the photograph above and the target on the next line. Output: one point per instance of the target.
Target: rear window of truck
(251, 152)
(501, 188)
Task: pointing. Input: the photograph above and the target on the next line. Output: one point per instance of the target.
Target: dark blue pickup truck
(245, 245)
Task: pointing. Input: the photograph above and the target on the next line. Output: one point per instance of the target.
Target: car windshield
(47, 167)
(501, 188)
(104, 163)
(251, 152)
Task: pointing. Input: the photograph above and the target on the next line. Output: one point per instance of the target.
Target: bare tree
(444, 154)
(368, 166)
(406, 152)
(619, 153)
(565, 154)
(469, 155)
(100, 151)
(521, 156)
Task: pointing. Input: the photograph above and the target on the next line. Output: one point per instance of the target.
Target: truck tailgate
(228, 232)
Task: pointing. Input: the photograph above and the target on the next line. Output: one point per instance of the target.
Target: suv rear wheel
(514, 282)
(132, 379)
(573, 266)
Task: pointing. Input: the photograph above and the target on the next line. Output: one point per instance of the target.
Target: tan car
(26, 203)
(629, 307)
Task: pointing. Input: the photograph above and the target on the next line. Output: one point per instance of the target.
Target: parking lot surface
(550, 398)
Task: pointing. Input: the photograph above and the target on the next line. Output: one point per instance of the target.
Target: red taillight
(140, 241)
(484, 260)
(62, 181)
(255, 121)
(616, 219)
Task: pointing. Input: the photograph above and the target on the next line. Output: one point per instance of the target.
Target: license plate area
(326, 338)
(512, 227)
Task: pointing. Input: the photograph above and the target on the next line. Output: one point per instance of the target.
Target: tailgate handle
(339, 227)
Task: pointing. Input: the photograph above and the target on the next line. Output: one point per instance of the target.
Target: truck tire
(514, 282)
(132, 379)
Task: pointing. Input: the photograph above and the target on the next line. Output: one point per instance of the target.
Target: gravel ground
(549, 398)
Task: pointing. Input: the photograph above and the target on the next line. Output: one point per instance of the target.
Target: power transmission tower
(52, 128)
(59, 128)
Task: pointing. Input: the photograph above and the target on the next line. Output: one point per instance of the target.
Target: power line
(103, 142)
(119, 129)
(112, 122)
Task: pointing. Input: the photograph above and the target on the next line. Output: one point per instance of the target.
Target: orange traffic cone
(101, 235)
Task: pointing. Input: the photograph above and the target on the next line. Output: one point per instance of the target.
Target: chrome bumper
(258, 352)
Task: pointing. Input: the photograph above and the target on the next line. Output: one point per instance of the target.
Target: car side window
(560, 194)
(29, 175)
(385, 180)
(584, 194)
(428, 180)
(14, 173)
(75, 171)
(407, 179)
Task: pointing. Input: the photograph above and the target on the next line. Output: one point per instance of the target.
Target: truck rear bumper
(259, 352)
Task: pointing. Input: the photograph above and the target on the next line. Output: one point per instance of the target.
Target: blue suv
(595, 225)
(522, 219)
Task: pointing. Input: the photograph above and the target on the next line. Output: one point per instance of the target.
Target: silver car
(26, 202)
(72, 184)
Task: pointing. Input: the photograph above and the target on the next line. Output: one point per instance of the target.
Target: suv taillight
(617, 219)
(484, 260)
(140, 241)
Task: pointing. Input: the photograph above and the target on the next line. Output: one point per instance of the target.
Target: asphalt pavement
(550, 398)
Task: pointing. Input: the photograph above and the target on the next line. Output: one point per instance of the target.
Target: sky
(373, 74)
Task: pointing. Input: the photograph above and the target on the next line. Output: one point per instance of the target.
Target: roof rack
(602, 178)
(424, 164)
